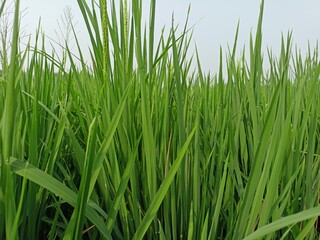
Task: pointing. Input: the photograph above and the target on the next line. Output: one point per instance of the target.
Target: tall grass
(140, 146)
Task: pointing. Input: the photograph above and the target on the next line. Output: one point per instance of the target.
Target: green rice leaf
(284, 222)
(53, 185)
(164, 187)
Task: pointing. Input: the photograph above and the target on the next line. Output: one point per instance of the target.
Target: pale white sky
(216, 22)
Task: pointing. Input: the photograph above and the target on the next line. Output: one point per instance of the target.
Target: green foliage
(138, 146)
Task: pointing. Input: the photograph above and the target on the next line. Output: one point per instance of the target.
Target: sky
(215, 22)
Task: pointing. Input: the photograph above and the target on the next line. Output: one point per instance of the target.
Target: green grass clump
(140, 146)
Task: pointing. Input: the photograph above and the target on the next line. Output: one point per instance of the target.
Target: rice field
(137, 144)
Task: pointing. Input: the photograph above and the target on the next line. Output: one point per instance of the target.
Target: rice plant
(139, 145)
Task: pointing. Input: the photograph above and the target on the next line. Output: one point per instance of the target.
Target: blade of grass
(53, 185)
(75, 226)
(164, 187)
(7, 133)
(284, 222)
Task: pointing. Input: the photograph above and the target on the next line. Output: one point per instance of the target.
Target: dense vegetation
(138, 145)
